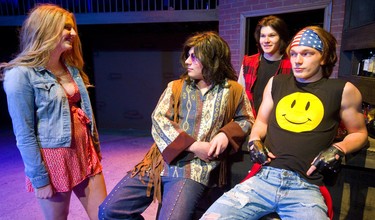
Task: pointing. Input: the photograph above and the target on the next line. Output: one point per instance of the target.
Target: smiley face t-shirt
(303, 122)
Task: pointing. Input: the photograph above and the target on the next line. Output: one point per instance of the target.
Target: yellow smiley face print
(299, 112)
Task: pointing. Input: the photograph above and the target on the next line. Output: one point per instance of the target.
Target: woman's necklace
(64, 78)
(62, 75)
(57, 69)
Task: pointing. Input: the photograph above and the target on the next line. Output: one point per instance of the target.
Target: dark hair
(279, 26)
(214, 54)
(329, 56)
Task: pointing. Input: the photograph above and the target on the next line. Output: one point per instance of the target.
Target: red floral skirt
(69, 166)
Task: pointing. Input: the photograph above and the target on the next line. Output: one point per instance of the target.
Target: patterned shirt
(201, 117)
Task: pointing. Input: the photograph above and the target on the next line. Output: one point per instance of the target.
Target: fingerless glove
(258, 152)
(326, 159)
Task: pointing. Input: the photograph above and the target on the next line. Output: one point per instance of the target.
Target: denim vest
(40, 114)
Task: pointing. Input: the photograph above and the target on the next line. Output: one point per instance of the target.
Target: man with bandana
(292, 140)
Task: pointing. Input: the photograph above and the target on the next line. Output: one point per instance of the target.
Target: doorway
(296, 17)
(294, 20)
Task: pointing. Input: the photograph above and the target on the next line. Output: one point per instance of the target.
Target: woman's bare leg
(91, 193)
(56, 207)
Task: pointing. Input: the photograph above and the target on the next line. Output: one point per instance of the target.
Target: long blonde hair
(39, 35)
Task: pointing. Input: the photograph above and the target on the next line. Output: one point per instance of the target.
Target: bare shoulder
(350, 90)
(351, 95)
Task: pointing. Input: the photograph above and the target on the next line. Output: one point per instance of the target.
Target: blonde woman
(52, 115)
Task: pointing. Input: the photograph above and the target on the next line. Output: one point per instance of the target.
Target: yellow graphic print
(299, 112)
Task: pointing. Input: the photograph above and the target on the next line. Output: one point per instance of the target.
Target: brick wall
(230, 20)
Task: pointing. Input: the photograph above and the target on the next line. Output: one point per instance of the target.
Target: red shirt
(250, 66)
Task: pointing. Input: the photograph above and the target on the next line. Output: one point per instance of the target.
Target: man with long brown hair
(198, 120)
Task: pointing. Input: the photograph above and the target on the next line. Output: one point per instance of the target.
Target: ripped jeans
(270, 190)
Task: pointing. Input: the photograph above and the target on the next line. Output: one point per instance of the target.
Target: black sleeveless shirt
(303, 122)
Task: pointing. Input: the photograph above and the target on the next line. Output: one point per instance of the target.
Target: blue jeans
(270, 190)
(128, 199)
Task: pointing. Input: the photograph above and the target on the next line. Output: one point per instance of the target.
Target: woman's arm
(20, 97)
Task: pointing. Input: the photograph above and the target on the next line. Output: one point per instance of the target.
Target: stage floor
(121, 150)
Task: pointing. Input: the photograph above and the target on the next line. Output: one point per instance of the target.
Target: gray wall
(128, 85)
(129, 65)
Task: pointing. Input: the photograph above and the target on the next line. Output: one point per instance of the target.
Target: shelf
(359, 38)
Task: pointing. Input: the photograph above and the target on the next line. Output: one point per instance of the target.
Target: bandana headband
(308, 38)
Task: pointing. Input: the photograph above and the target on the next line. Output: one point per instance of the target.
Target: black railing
(19, 7)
